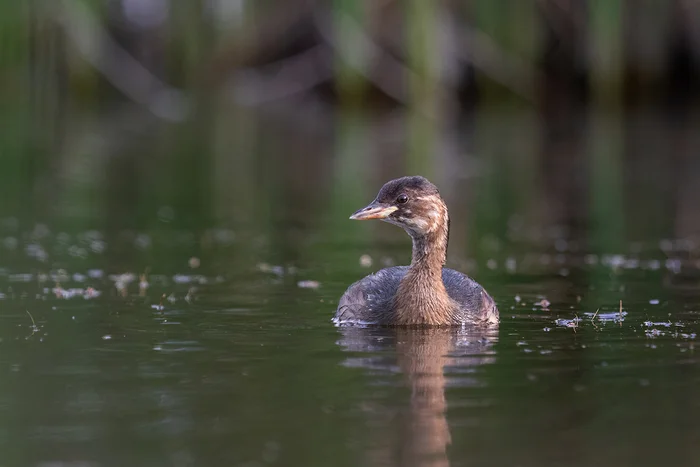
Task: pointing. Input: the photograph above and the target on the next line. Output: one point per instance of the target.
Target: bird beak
(375, 210)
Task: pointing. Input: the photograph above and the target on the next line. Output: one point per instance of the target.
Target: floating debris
(158, 307)
(308, 284)
(20, 277)
(609, 316)
(91, 293)
(106, 337)
(365, 261)
(190, 294)
(651, 323)
(182, 279)
(267, 268)
(544, 303)
(143, 285)
(568, 323)
(654, 301)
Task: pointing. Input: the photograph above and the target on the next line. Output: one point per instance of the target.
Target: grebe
(424, 293)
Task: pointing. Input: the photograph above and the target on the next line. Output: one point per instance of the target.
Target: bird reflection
(416, 434)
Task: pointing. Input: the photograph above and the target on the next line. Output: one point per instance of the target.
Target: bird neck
(429, 251)
(422, 297)
(430, 248)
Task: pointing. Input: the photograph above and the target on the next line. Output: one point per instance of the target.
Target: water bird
(424, 293)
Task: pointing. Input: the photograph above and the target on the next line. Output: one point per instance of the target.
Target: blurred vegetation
(284, 113)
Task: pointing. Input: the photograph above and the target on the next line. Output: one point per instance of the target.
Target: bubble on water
(166, 214)
(26, 277)
(224, 236)
(34, 250)
(96, 273)
(40, 231)
(654, 301)
(182, 279)
(142, 241)
(666, 245)
(561, 245)
(106, 337)
(77, 277)
(591, 259)
(63, 238)
(636, 247)
(11, 223)
(10, 243)
(673, 265)
(516, 222)
(98, 246)
(77, 252)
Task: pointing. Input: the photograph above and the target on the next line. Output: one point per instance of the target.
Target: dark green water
(225, 358)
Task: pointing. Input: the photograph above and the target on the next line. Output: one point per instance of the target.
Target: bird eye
(402, 199)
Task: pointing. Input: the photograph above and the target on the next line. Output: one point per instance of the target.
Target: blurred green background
(575, 114)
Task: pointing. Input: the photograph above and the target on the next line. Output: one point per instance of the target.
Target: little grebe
(423, 293)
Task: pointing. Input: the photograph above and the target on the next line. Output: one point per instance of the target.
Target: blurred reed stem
(351, 85)
(606, 59)
(424, 84)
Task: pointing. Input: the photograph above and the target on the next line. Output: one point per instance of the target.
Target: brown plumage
(425, 293)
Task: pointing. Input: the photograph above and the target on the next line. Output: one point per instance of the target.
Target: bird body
(424, 293)
(370, 301)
